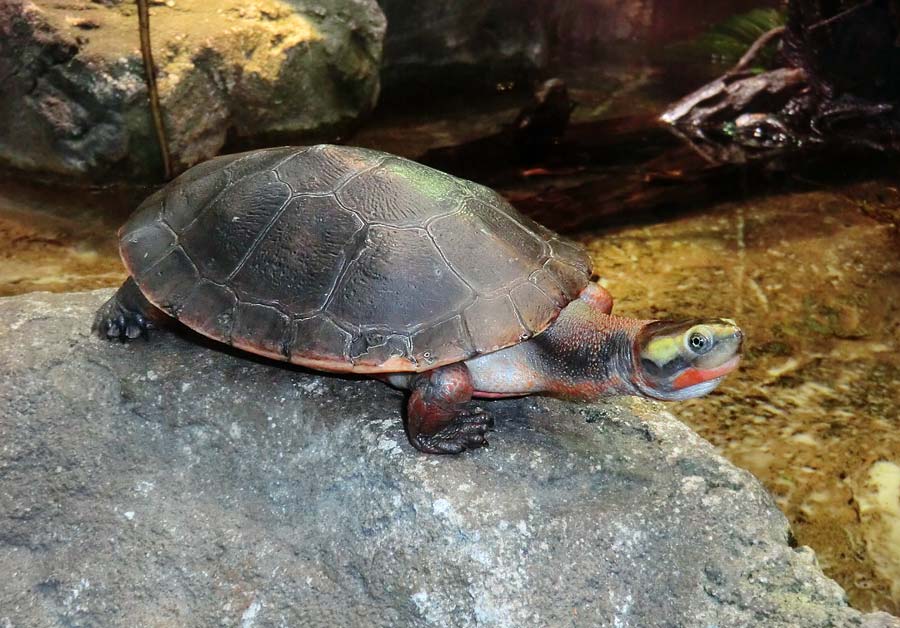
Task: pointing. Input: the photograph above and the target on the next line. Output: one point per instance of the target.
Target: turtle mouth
(697, 390)
(693, 376)
(704, 380)
(692, 382)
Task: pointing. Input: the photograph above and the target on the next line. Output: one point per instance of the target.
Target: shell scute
(301, 256)
(348, 259)
(322, 169)
(569, 278)
(209, 309)
(397, 281)
(319, 338)
(377, 346)
(202, 185)
(446, 340)
(222, 238)
(149, 243)
(548, 285)
(533, 305)
(570, 253)
(267, 325)
(170, 281)
(505, 251)
(400, 193)
(493, 323)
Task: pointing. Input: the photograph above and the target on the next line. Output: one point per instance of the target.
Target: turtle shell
(348, 259)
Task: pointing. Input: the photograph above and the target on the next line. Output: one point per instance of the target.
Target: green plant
(726, 42)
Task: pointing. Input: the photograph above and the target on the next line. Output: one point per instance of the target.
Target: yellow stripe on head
(662, 350)
(683, 359)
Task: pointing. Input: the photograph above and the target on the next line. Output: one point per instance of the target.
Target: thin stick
(839, 16)
(753, 50)
(150, 72)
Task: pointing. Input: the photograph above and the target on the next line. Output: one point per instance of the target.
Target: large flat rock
(172, 483)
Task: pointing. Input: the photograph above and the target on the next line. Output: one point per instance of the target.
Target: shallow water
(814, 279)
(59, 239)
(812, 274)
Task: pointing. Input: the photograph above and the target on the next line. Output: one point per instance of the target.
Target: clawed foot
(115, 322)
(467, 431)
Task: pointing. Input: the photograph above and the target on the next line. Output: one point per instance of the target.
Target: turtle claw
(467, 431)
(116, 322)
(137, 327)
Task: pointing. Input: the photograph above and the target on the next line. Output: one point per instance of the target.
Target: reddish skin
(437, 420)
(599, 300)
(587, 353)
(566, 369)
(689, 378)
(597, 297)
(478, 394)
(589, 390)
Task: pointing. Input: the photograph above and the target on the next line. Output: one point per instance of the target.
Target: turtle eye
(699, 341)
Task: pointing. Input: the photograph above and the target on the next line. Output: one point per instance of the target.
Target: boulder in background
(74, 93)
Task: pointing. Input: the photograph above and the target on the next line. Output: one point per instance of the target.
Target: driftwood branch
(837, 88)
(150, 72)
(840, 16)
(709, 91)
(754, 50)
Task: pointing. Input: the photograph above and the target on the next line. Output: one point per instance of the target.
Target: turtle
(353, 261)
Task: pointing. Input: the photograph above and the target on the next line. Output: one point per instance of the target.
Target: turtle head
(685, 359)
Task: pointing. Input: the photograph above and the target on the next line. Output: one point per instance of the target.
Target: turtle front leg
(126, 316)
(437, 419)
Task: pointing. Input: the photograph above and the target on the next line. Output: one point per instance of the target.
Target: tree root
(150, 72)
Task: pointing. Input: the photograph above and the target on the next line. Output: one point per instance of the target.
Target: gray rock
(171, 483)
(454, 44)
(74, 94)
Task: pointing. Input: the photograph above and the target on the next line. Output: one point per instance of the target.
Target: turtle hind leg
(126, 316)
(437, 419)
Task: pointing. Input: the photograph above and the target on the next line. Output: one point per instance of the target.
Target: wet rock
(461, 41)
(450, 44)
(74, 94)
(613, 27)
(147, 483)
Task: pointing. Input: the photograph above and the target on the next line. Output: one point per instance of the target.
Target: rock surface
(461, 41)
(171, 483)
(453, 44)
(74, 93)
(611, 28)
